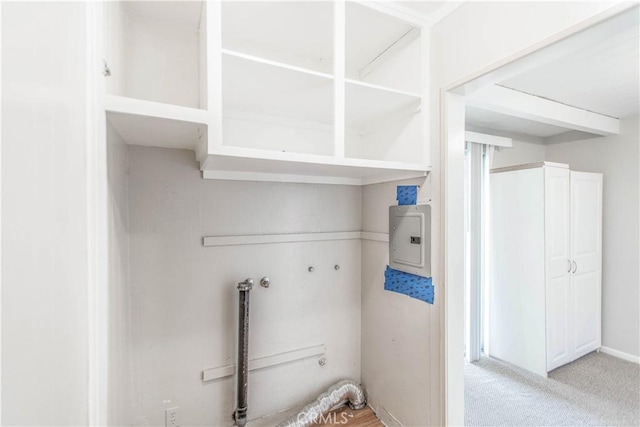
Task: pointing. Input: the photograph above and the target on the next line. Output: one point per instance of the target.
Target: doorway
(458, 230)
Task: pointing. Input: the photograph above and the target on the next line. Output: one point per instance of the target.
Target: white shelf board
(267, 87)
(368, 104)
(293, 32)
(155, 124)
(383, 88)
(237, 163)
(139, 107)
(276, 63)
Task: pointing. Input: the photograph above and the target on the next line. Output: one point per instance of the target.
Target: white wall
(400, 335)
(617, 157)
(44, 239)
(521, 153)
(184, 297)
(156, 55)
(120, 347)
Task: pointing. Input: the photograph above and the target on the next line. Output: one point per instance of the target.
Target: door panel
(586, 253)
(585, 306)
(558, 308)
(558, 279)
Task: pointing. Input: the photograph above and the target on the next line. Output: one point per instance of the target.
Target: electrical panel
(410, 239)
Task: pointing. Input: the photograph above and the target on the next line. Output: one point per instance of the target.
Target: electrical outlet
(171, 417)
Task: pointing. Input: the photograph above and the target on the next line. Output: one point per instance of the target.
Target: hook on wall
(265, 282)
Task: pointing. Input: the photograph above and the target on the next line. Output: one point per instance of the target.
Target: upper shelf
(292, 32)
(155, 124)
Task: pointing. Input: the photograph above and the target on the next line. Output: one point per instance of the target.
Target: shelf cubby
(156, 51)
(273, 106)
(298, 33)
(383, 50)
(383, 124)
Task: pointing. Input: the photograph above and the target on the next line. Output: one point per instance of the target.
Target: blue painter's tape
(409, 284)
(407, 194)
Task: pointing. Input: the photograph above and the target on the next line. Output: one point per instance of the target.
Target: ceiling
(603, 78)
(429, 8)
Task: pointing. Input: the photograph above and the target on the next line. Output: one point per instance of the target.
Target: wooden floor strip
(348, 417)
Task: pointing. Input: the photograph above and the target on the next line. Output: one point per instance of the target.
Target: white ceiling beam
(514, 136)
(519, 104)
(486, 139)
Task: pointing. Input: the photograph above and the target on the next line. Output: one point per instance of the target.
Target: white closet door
(558, 267)
(586, 255)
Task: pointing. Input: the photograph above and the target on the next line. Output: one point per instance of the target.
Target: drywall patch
(409, 284)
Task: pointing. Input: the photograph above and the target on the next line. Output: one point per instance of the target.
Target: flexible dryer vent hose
(343, 391)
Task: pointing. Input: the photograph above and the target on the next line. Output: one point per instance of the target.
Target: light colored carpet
(595, 390)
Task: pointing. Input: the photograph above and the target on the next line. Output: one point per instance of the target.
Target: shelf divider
(214, 67)
(339, 52)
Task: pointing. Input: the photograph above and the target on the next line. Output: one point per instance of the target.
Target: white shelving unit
(280, 91)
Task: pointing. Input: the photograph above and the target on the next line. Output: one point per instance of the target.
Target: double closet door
(574, 264)
(545, 263)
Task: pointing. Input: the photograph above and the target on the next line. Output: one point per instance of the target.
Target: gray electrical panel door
(410, 239)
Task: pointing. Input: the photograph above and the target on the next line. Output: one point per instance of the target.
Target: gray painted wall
(184, 297)
(521, 152)
(617, 157)
(400, 335)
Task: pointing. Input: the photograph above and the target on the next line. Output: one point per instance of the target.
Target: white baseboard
(620, 354)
